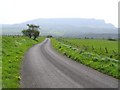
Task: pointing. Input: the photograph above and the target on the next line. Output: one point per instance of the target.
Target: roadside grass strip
(13, 50)
(99, 46)
(100, 63)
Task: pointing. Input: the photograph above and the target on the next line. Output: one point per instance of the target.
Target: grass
(99, 46)
(0, 62)
(96, 61)
(13, 50)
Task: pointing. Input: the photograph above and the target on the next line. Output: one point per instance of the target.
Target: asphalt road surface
(43, 67)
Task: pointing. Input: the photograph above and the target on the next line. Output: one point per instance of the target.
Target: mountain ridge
(64, 26)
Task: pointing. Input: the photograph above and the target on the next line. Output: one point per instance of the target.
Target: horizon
(60, 18)
(20, 11)
(57, 18)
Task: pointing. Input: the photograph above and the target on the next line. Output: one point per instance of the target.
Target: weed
(13, 49)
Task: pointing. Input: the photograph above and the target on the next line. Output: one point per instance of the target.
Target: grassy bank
(100, 62)
(99, 46)
(13, 50)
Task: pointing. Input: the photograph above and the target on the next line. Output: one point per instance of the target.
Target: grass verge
(97, 46)
(13, 49)
(102, 64)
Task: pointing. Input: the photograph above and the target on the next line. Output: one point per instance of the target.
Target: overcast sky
(17, 11)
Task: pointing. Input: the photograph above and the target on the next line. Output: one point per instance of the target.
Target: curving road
(44, 68)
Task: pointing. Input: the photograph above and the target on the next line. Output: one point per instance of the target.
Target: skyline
(18, 11)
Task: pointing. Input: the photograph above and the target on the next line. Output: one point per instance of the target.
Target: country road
(43, 67)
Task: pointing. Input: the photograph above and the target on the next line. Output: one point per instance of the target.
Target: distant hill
(66, 27)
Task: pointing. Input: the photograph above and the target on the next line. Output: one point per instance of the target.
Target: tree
(36, 34)
(31, 31)
(49, 36)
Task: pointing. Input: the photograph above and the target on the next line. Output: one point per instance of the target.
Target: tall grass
(13, 50)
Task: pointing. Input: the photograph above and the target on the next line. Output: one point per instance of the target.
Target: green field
(91, 52)
(97, 46)
(13, 50)
(80, 50)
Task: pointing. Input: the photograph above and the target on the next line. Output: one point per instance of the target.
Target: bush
(110, 39)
